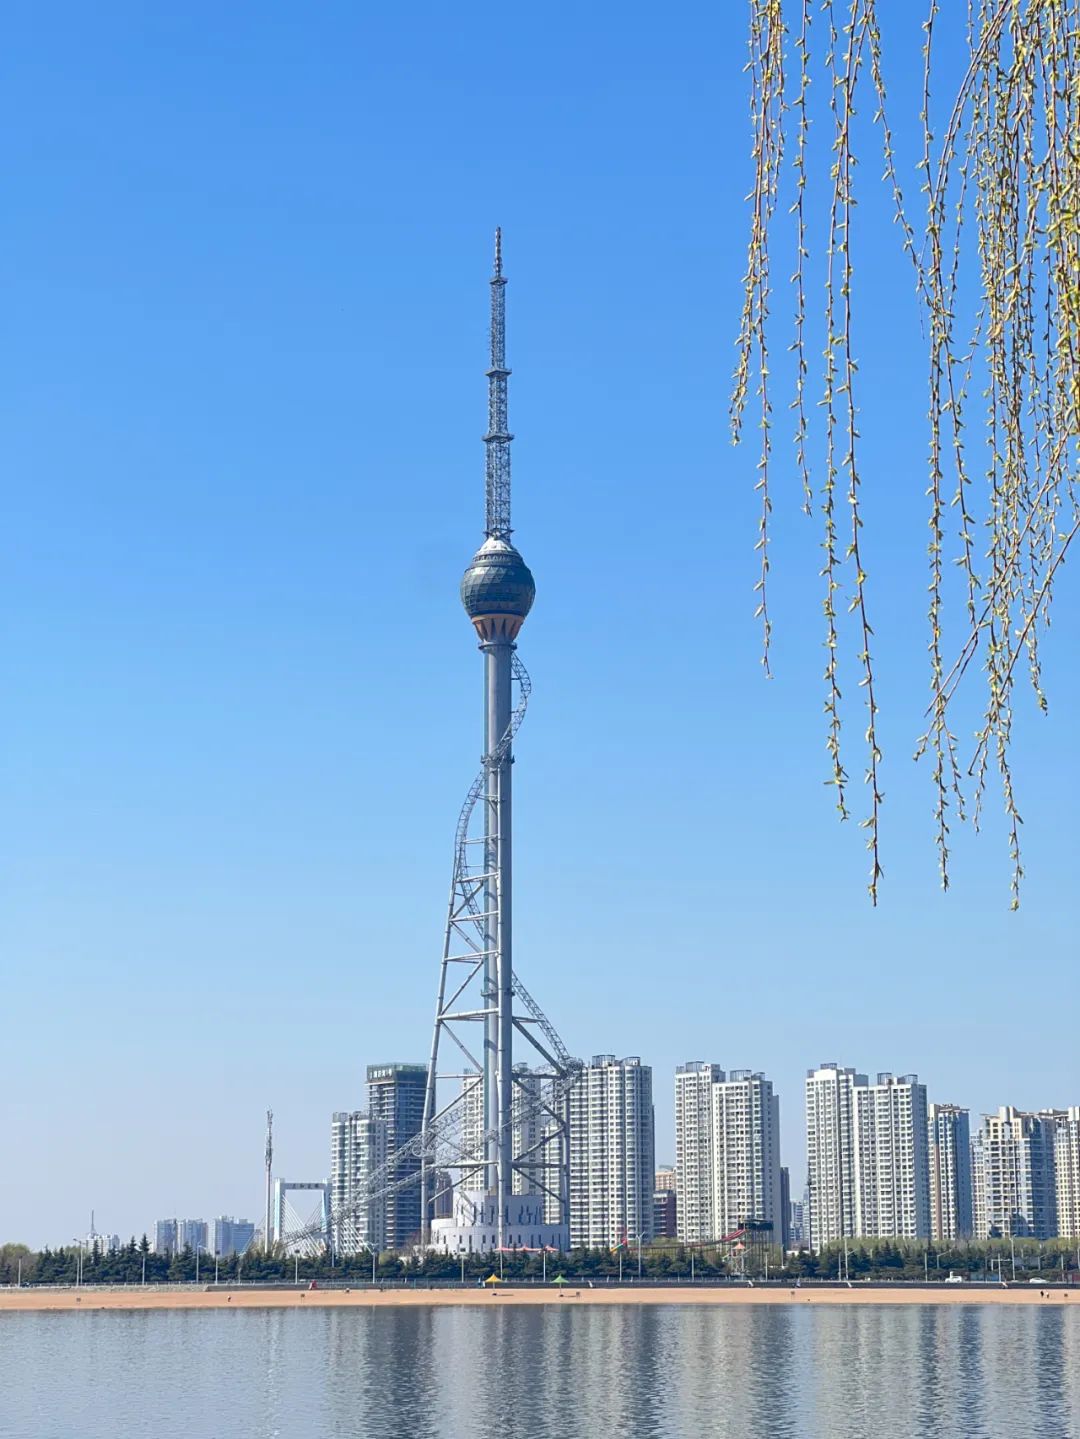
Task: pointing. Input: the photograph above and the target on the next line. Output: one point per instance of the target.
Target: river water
(558, 1372)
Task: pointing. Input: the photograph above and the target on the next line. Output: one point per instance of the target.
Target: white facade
(693, 1150)
(472, 1129)
(532, 1157)
(892, 1172)
(1067, 1173)
(949, 1149)
(830, 1152)
(359, 1144)
(612, 1153)
(1013, 1164)
(473, 1227)
(529, 1152)
(745, 1152)
(867, 1156)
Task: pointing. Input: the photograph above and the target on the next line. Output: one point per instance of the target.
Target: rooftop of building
(395, 1070)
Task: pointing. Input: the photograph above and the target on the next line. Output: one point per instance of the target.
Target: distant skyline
(243, 398)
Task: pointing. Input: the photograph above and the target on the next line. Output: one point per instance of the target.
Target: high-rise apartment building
(665, 1203)
(1014, 1174)
(192, 1234)
(980, 1184)
(165, 1236)
(612, 1153)
(830, 1152)
(472, 1129)
(173, 1236)
(867, 1153)
(665, 1214)
(797, 1226)
(533, 1156)
(892, 1172)
(442, 1196)
(358, 1147)
(745, 1154)
(396, 1097)
(1067, 1173)
(727, 1152)
(785, 1207)
(231, 1236)
(693, 1149)
(951, 1212)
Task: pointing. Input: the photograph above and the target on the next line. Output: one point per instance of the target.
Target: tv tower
(511, 1120)
(495, 1132)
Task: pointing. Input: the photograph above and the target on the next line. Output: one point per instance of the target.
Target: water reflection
(561, 1372)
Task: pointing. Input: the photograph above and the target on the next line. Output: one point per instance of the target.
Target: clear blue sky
(245, 262)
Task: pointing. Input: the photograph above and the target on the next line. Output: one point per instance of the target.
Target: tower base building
(474, 1226)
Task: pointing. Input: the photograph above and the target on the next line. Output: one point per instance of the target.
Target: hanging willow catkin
(1002, 220)
(766, 68)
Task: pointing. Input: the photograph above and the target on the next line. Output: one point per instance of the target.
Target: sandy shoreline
(224, 1297)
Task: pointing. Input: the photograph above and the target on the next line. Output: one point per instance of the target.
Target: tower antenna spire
(498, 437)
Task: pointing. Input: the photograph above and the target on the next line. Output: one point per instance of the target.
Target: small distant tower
(268, 1231)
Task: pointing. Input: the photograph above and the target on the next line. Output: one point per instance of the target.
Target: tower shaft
(498, 848)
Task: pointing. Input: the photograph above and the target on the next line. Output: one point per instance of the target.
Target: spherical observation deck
(497, 590)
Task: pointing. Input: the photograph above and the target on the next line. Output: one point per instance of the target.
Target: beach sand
(224, 1297)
